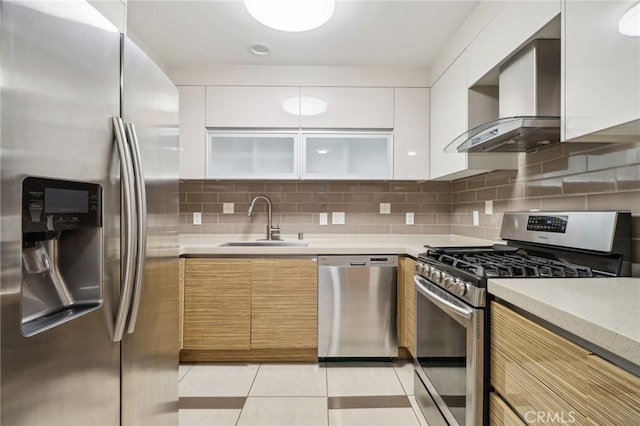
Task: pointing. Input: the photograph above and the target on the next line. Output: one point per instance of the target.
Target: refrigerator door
(60, 78)
(150, 353)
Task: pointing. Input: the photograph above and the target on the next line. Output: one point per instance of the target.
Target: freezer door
(150, 353)
(60, 79)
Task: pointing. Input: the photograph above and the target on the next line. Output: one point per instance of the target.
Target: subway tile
(249, 228)
(613, 155)
(455, 197)
(184, 218)
(459, 186)
(541, 188)
(500, 177)
(374, 229)
(217, 228)
(190, 229)
(344, 187)
(459, 229)
(404, 208)
(435, 208)
(486, 194)
(284, 208)
(565, 166)
(288, 228)
(514, 190)
(406, 229)
(576, 202)
(190, 186)
(312, 187)
(313, 229)
(297, 218)
(374, 186)
(312, 207)
(477, 182)
(233, 197)
(573, 148)
(500, 206)
(274, 197)
(533, 171)
(467, 196)
(214, 207)
(426, 219)
(202, 197)
(390, 197)
(282, 186)
(444, 219)
(593, 182)
(545, 154)
(444, 197)
(524, 204)
(190, 207)
(182, 197)
(436, 229)
(328, 197)
(242, 218)
(342, 229)
(389, 219)
(463, 219)
(492, 234)
(615, 201)
(298, 197)
(359, 197)
(476, 231)
(250, 186)
(628, 178)
(209, 218)
(404, 187)
(360, 218)
(489, 220)
(213, 186)
(436, 186)
(471, 207)
(459, 208)
(422, 197)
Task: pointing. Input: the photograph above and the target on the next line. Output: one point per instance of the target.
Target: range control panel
(556, 224)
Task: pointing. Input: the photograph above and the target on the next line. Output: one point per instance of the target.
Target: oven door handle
(461, 314)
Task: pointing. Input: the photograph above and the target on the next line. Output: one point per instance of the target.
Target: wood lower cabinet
(181, 303)
(547, 379)
(409, 297)
(500, 414)
(250, 309)
(217, 304)
(613, 395)
(284, 303)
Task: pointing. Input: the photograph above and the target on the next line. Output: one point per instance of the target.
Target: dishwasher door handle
(357, 263)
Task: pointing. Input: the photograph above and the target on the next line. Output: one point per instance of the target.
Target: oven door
(450, 357)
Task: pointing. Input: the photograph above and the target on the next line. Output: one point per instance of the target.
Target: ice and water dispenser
(62, 252)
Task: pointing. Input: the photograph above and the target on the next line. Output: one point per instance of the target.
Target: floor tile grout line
(249, 392)
(185, 374)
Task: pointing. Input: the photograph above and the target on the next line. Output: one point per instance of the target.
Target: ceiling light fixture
(304, 105)
(629, 24)
(259, 49)
(291, 15)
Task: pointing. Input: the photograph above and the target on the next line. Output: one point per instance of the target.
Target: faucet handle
(275, 232)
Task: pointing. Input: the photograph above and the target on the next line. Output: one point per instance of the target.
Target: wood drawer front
(284, 302)
(614, 394)
(554, 360)
(528, 396)
(217, 300)
(410, 306)
(500, 414)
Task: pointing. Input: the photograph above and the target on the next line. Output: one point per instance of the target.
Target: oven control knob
(460, 288)
(448, 282)
(435, 276)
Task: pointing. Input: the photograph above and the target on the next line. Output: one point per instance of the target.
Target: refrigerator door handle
(141, 213)
(129, 246)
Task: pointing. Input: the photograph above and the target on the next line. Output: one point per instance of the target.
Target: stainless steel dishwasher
(357, 306)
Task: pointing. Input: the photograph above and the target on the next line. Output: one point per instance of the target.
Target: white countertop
(602, 311)
(412, 245)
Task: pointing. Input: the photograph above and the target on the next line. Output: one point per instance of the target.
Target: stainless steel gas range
(451, 315)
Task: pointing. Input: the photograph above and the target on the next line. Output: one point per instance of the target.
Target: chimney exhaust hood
(529, 104)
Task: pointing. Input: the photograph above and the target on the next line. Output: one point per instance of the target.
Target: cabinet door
(411, 134)
(192, 132)
(252, 155)
(409, 267)
(181, 303)
(448, 119)
(512, 27)
(614, 394)
(601, 71)
(250, 107)
(347, 156)
(217, 304)
(284, 300)
(351, 108)
(500, 414)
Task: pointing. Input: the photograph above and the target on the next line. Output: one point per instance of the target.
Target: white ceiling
(360, 33)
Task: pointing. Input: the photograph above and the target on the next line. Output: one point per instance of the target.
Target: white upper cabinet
(351, 108)
(512, 27)
(192, 132)
(601, 73)
(411, 134)
(250, 107)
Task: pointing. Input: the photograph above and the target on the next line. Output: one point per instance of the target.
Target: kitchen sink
(266, 243)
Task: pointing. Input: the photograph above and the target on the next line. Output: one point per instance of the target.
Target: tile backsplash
(569, 176)
(297, 204)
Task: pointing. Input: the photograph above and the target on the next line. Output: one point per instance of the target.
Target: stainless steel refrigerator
(89, 225)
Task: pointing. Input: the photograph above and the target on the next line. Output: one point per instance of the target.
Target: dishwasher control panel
(359, 260)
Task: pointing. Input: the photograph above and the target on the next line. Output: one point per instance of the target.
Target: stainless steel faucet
(273, 232)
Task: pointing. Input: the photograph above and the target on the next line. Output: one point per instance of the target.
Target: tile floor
(299, 394)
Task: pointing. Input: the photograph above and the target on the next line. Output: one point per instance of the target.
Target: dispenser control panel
(50, 205)
(556, 224)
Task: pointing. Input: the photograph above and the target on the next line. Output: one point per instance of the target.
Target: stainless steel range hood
(529, 104)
